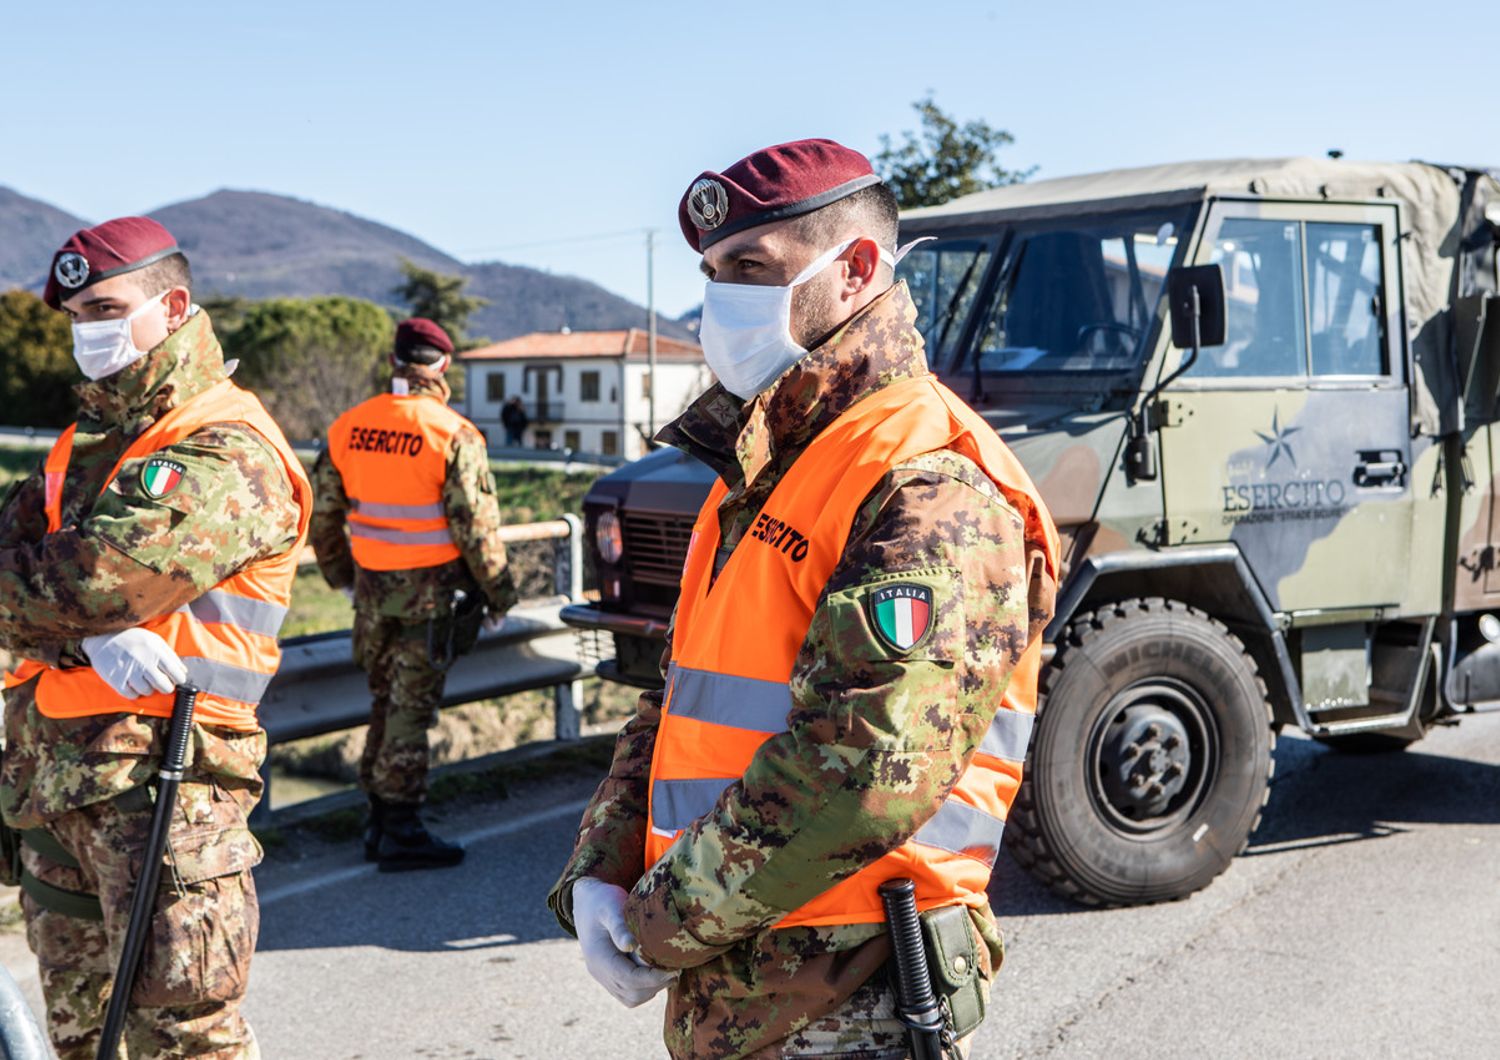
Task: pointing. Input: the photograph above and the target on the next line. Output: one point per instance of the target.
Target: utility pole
(650, 335)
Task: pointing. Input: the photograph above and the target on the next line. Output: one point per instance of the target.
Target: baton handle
(916, 1004)
(143, 901)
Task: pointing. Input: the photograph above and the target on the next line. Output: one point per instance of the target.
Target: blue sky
(552, 134)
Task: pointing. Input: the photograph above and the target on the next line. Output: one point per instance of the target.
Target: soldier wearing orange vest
(406, 523)
(851, 673)
(156, 545)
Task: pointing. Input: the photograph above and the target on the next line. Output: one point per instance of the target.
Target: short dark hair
(171, 271)
(871, 209)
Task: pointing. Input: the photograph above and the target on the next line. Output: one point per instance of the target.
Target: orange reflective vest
(227, 637)
(734, 647)
(392, 455)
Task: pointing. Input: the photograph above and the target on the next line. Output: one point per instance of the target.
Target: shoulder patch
(901, 614)
(161, 476)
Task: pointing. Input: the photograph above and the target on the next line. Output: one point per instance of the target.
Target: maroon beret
(771, 185)
(419, 331)
(109, 249)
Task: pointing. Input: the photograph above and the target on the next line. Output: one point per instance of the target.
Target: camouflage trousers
(405, 692)
(196, 964)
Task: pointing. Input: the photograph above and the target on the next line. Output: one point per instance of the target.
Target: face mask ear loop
(908, 248)
(821, 262)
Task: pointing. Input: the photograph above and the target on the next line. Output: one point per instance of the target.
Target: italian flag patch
(901, 614)
(161, 477)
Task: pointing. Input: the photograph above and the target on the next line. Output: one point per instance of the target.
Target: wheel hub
(1145, 760)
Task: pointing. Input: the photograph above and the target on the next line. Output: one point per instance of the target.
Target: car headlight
(609, 538)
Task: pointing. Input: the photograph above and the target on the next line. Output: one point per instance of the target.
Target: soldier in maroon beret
(406, 524)
(155, 546)
(851, 669)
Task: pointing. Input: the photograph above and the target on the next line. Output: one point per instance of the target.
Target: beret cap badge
(707, 203)
(71, 270)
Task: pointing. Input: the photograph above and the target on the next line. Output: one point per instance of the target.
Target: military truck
(1295, 525)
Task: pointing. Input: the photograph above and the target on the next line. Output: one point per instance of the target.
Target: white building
(582, 390)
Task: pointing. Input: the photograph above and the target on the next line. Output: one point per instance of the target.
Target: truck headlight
(609, 538)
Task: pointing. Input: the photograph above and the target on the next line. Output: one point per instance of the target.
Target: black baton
(143, 902)
(915, 1003)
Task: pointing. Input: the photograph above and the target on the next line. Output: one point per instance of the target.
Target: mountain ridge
(257, 245)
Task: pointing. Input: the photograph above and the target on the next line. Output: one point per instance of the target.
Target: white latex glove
(135, 662)
(493, 622)
(609, 948)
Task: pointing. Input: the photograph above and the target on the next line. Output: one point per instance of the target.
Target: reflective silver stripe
(676, 804)
(743, 702)
(960, 829)
(401, 537)
(253, 616)
(375, 510)
(222, 679)
(1008, 735)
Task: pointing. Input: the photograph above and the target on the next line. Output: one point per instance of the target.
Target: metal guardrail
(319, 689)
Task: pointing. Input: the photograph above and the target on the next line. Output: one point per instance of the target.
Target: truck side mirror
(1195, 295)
(1195, 299)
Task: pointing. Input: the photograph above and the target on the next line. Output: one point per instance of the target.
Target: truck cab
(1294, 525)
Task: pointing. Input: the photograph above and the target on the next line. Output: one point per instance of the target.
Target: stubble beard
(814, 313)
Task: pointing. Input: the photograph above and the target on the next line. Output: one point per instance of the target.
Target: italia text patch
(160, 477)
(901, 614)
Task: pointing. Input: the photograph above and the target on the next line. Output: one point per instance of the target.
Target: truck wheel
(1151, 757)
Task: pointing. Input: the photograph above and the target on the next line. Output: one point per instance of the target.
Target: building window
(571, 441)
(646, 386)
(494, 387)
(609, 443)
(542, 439)
(588, 386)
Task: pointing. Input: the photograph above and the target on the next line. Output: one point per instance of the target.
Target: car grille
(656, 547)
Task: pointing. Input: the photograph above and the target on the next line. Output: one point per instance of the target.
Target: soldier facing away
(157, 544)
(406, 523)
(851, 671)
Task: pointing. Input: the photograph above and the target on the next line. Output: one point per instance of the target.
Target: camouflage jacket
(122, 557)
(473, 519)
(708, 907)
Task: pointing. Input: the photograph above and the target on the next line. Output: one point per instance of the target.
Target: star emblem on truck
(1277, 439)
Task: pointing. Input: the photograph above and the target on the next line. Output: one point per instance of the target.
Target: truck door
(1292, 439)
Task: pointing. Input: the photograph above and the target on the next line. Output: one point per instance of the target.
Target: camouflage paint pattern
(196, 965)
(405, 693)
(122, 557)
(473, 519)
(875, 742)
(1221, 481)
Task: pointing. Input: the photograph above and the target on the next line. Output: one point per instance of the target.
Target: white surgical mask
(746, 328)
(104, 347)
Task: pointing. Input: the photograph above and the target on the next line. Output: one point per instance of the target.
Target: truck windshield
(1080, 295)
(943, 277)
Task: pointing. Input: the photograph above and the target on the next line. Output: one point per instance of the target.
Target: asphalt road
(1363, 922)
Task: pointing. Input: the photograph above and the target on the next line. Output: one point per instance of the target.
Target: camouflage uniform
(708, 906)
(393, 608)
(124, 557)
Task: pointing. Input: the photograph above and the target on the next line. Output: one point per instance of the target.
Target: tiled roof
(557, 344)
